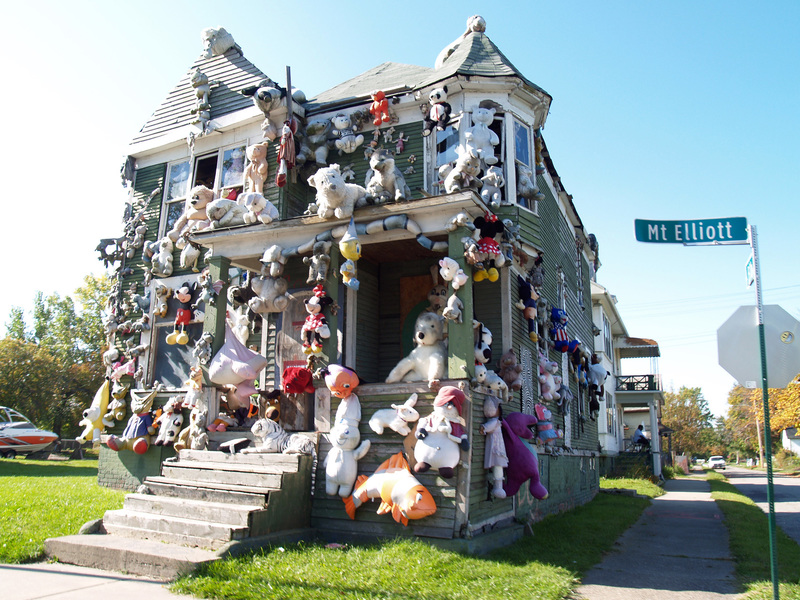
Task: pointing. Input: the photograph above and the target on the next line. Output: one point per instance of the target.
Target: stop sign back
(739, 348)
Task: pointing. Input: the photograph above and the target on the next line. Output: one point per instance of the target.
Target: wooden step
(208, 491)
(211, 512)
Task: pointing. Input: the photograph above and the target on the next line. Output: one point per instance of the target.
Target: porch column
(655, 438)
(214, 322)
(460, 354)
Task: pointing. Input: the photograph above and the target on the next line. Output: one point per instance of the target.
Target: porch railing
(638, 383)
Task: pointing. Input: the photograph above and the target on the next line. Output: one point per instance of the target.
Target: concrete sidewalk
(678, 549)
(58, 581)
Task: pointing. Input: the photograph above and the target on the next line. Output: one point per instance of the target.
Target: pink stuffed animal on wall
(547, 369)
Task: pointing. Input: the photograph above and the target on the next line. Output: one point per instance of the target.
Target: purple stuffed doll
(522, 461)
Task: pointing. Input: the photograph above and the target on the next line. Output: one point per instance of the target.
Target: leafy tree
(687, 414)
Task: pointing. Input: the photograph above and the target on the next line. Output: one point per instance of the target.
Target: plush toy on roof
(439, 113)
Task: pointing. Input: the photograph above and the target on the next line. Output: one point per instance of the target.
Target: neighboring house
(790, 440)
(630, 400)
(401, 245)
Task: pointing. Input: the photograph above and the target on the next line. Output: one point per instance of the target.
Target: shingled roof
(231, 70)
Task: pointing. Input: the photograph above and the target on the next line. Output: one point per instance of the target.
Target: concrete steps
(203, 501)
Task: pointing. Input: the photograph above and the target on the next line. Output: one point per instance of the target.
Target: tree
(59, 357)
(688, 415)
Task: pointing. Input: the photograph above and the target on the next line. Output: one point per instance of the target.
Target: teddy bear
(450, 270)
(314, 145)
(116, 406)
(315, 328)
(202, 348)
(463, 176)
(335, 198)
(194, 436)
(318, 263)
(343, 132)
(547, 370)
(272, 261)
(270, 295)
(259, 209)
(479, 139)
(526, 186)
(439, 114)
(395, 418)
(169, 423)
(495, 385)
(257, 171)
(384, 181)
(379, 108)
(92, 421)
(341, 468)
(523, 465)
(485, 248)
(428, 360)
(223, 212)
(511, 370)
(161, 261)
(441, 435)
(545, 432)
(492, 182)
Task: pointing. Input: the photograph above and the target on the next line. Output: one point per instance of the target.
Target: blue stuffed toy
(558, 333)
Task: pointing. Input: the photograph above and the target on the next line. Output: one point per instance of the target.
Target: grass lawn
(749, 542)
(546, 565)
(41, 499)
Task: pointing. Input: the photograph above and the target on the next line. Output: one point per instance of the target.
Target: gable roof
(232, 72)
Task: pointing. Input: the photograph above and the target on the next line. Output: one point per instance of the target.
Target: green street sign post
(716, 232)
(730, 230)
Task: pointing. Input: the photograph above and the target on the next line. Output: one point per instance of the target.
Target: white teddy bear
(225, 213)
(344, 132)
(335, 197)
(341, 463)
(451, 271)
(259, 209)
(271, 295)
(428, 360)
(479, 139)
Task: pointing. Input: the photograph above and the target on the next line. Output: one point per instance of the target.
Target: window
(177, 188)
(611, 416)
(522, 143)
(446, 145)
(607, 338)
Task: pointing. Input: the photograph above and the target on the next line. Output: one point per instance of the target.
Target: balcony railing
(638, 383)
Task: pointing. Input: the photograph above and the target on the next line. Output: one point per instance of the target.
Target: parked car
(716, 462)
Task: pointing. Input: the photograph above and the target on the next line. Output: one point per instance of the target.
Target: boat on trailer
(19, 436)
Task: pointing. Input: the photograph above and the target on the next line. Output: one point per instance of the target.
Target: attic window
(522, 143)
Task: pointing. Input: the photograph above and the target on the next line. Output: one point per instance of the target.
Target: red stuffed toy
(297, 380)
(379, 108)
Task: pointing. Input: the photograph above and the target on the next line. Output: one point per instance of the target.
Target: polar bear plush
(427, 361)
(225, 213)
(479, 139)
(341, 463)
(335, 198)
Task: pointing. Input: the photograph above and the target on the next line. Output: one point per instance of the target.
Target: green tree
(687, 414)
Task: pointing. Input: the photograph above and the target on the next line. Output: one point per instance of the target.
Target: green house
(190, 140)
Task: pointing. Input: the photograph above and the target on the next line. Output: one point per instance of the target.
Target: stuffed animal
(163, 293)
(270, 437)
(495, 385)
(396, 418)
(344, 134)
(439, 114)
(483, 342)
(297, 380)
(511, 370)
(479, 139)
(526, 186)
(492, 182)
(136, 435)
(453, 310)
(400, 493)
(225, 213)
(597, 375)
(116, 406)
(495, 458)
(202, 348)
(451, 271)
(558, 332)
(379, 108)
(545, 432)
(384, 181)
(350, 248)
(315, 142)
(315, 328)
(92, 421)
(235, 364)
(318, 263)
(222, 422)
(161, 259)
(194, 436)
(184, 316)
(527, 304)
(342, 382)
(259, 209)
(427, 361)
(488, 252)
(341, 468)
(441, 435)
(216, 41)
(194, 385)
(169, 422)
(257, 171)
(190, 253)
(547, 369)
(523, 465)
(273, 261)
(463, 176)
(270, 295)
(335, 198)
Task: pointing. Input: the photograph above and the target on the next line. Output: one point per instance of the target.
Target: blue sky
(679, 110)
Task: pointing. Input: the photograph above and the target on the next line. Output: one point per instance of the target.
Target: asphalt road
(786, 496)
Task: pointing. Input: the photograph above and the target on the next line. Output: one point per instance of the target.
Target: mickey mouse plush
(184, 316)
(316, 327)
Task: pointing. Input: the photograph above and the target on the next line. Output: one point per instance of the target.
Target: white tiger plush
(272, 438)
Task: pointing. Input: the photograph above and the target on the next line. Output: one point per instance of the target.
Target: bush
(786, 460)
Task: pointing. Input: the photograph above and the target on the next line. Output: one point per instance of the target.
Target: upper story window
(527, 190)
(607, 338)
(221, 171)
(522, 143)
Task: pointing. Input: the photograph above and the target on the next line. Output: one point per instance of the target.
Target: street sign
(728, 230)
(738, 343)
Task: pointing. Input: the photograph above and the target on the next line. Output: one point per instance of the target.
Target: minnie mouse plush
(487, 253)
(316, 327)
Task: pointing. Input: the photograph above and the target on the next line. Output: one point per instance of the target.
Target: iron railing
(638, 383)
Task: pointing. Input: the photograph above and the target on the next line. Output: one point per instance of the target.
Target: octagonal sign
(739, 348)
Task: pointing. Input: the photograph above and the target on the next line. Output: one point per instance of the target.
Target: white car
(716, 462)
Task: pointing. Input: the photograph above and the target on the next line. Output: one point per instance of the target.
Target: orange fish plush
(400, 492)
